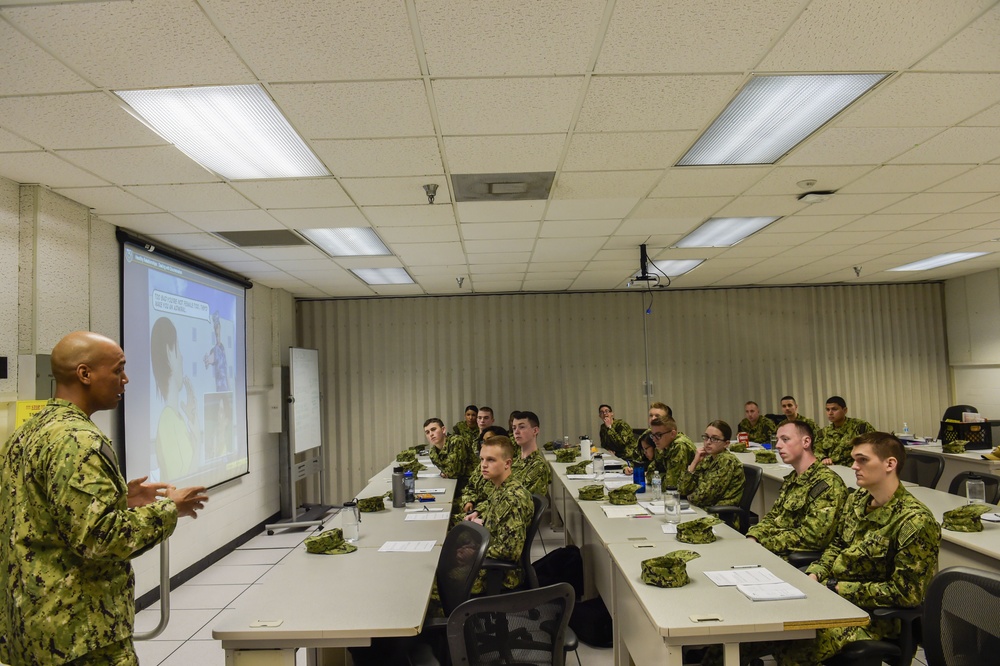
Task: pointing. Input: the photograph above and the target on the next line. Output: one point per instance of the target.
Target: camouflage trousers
(806, 652)
(121, 653)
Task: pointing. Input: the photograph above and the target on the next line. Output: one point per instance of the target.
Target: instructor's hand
(189, 501)
(141, 493)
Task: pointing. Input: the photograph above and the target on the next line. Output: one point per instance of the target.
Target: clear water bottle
(657, 483)
(598, 467)
(410, 485)
(672, 505)
(906, 428)
(351, 522)
(565, 441)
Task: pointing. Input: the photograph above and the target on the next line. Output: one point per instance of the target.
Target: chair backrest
(752, 475)
(462, 555)
(526, 627)
(530, 578)
(961, 621)
(923, 469)
(991, 481)
(954, 413)
(776, 418)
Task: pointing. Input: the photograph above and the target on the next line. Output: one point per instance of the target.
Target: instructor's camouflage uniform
(761, 432)
(717, 481)
(672, 460)
(619, 439)
(835, 443)
(506, 514)
(804, 517)
(66, 538)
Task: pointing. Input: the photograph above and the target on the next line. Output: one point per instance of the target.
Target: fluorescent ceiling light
(724, 231)
(938, 261)
(772, 114)
(235, 131)
(347, 241)
(383, 275)
(676, 267)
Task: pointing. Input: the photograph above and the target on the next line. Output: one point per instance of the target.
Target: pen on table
(642, 515)
(745, 566)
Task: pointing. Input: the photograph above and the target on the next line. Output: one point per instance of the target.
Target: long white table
(971, 549)
(954, 463)
(317, 601)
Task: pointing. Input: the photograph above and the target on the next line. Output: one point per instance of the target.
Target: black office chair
(895, 652)
(740, 517)
(991, 481)
(954, 413)
(922, 469)
(496, 570)
(776, 418)
(962, 618)
(526, 627)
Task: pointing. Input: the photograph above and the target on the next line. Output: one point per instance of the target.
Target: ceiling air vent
(533, 186)
(265, 238)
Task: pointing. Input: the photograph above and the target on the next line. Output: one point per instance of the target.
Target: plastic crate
(978, 435)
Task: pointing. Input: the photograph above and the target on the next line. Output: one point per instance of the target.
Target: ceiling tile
(887, 222)
(925, 100)
(501, 211)
(120, 45)
(626, 151)
(909, 237)
(381, 157)
(356, 110)
(420, 254)
(854, 204)
(499, 230)
(231, 220)
(603, 184)
(159, 224)
(686, 207)
(858, 145)
(107, 200)
(859, 238)
(225, 254)
(592, 280)
(301, 268)
(556, 266)
(499, 287)
(439, 271)
(45, 168)
(956, 145)
(900, 178)
(396, 191)
(291, 193)
(301, 253)
(498, 38)
(506, 106)
(188, 241)
(659, 225)
(546, 285)
(991, 205)
(974, 48)
(785, 179)
(10, 142)
(499, 245)
(153, 165)
(499, 269)
(578, 228)
(984, 178)
(988, 118)
(805, 222)
(401, 216)
(421, 234)
(866, 35)
(775, 239)
(319, 40)
(26, 69)
(369, 262)
(511, 257)
(761, 207)
(319, 218)
(504, 154)
(195, 197)
(958, 221)
(629, 257)
(564, 249)
(590, 209)
(708, 181)
(652, 103)
(935, 203)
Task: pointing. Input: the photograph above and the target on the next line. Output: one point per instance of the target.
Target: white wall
(973, 315)
(60, 268)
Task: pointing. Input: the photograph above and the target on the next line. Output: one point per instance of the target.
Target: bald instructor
(69, 524)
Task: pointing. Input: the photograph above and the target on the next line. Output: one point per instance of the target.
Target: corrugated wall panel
(388, 364)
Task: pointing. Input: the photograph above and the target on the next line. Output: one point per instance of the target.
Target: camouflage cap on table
(698, 531)
(668, 570)
(738, 447)
(764, 456)
(551, 446)
(624, 495)
(965, 518)
(371, 504)
(412, 466)
(330, 542)
(567, 455)
(578, 468)
(594, 492)
(954, 446)
(406, 454)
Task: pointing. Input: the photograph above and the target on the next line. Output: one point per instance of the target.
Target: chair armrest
(724, 510)
(803, 558)
(730, 514)
(904, 614)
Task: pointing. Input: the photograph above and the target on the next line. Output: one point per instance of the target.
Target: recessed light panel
(938, 260)
(772, 114)
(235, 131)
(724, 231)
(347, 241)
(375, 276)
(676, 267)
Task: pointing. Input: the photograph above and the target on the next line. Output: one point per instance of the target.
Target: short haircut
(665, 407)
(751, 402)
(434, 419)
(884, 446)
(788, 397)
(722, 426)
(530, 417)
(495, 430)
(161, 338)
(837, 400)
(472, 408)
(804, 429)
(667, 423)
(504, 443)
(600, 407)
(486, 409)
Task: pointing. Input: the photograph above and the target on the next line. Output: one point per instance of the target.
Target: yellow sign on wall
(25, 410)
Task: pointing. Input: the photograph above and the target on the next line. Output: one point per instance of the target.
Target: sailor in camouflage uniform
(674, 451)
(530, 468)
(790, 409)
(657, 410)
(885, 551)
(833, 443)
(478, 489)
(804, 517)
(70, 523)
(468, 428)
(758, 428)
(715, 476)
(616, 435)
(507, 512)
(451, 454)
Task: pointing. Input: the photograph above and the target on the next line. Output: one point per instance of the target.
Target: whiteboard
(303, 401)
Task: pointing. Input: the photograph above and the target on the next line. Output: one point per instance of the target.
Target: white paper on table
(771, 592)
(655, 508)
(579, 477)
(670, 528)
(428, 515)
(623, 510)
(754, 576)
(618, 475)
(432, 491)
(428, 508)
(426, 461)
(991, 517)
(407, 547)
(612, 484)
(689, 510)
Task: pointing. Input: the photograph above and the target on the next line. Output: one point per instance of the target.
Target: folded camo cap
(765, 456)
(668, 570)
(965, 518)
(372, 504)
(330, 542)
(567, 455)
(738, 447)
(993, 455)
(406, 454)
(411, 465)
(698, 531)
(594, 492)
(624, 494)
(578, 468)
(954, 446)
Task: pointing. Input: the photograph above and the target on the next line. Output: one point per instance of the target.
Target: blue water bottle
(639, 476)
(410, 486)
